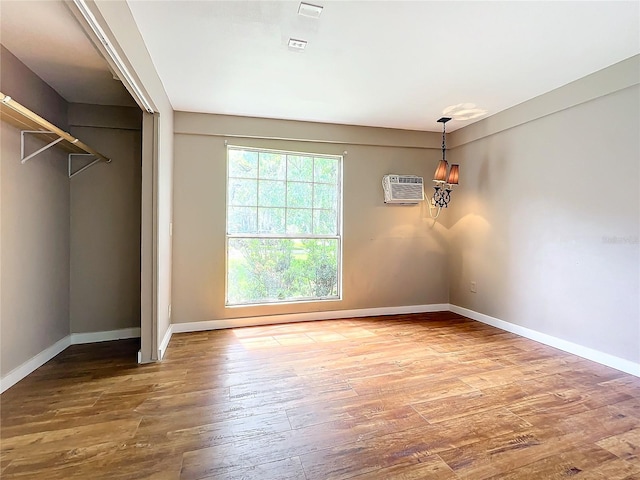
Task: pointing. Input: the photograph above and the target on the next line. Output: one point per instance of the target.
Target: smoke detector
(297, 44)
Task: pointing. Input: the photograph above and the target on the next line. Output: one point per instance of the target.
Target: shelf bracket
(82, 169)
(24, 159)
(28, 121)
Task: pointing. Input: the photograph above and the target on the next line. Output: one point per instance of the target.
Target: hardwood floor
(430, 396)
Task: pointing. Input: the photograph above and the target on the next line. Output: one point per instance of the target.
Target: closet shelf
(30, 122)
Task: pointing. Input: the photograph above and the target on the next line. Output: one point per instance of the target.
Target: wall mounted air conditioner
(402, 189)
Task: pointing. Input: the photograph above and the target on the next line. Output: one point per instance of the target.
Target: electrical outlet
(472, 287)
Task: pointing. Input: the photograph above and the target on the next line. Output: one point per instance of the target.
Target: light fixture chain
(444, 149)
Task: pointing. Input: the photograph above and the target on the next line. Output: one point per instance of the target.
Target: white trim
(126, 77)
(165, 342)
(93, 337)
(18, 373)
(304, 317)
(612, 361)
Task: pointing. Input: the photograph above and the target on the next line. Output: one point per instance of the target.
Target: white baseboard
(612, 361)
(564, 345)
(165, 342)
(93, 337)
(41, 358)
(304, 317)
(18, 373)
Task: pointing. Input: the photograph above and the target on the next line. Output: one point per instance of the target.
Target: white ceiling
(380, 63)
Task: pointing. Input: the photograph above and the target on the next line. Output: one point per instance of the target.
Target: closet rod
(27, 119)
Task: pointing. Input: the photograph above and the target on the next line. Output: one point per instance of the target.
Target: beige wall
(34, 243)
(392, 255)
(546, 220)
(105, 221)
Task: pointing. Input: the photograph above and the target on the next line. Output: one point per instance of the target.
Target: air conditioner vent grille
(410, 180)
(403, 189)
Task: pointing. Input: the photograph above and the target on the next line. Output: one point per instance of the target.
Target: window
(283, 226)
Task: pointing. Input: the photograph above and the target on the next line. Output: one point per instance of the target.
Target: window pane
(271, 220)
(326, 170)
(272, 193)
(299, 168)
(325, 222)
(273, 270)
(298, 221)
(242, 220)
(324, 196)
(243, 192)
(243, 163)
(273, 166)
(299, 194)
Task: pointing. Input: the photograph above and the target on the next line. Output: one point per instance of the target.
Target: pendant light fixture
(444, 178)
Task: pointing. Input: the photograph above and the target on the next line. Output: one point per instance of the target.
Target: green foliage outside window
(271, 270)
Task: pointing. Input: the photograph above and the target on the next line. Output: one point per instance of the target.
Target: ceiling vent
(308, 10)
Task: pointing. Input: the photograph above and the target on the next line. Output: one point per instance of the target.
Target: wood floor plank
(501, 454)
(54, 464)
(594, 425)
(171, 402)
(430, 468)
(287, 469)
(562, 465)
(229, 431)
(64, 422)
(416, 396)
(549, 407)
(475, 401)
(368, 456)
(21, 446)
(219, 461)
(415, 388)
(341, 409)
(624, 445)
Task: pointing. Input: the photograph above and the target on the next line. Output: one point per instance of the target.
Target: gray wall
(34, 234)
(28, 89)
(105, 221)
(546, 219)
(392, 255)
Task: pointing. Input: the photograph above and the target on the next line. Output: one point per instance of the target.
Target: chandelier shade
(453, 175)
(441, 171)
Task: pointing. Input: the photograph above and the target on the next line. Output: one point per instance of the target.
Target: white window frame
(337, 237)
